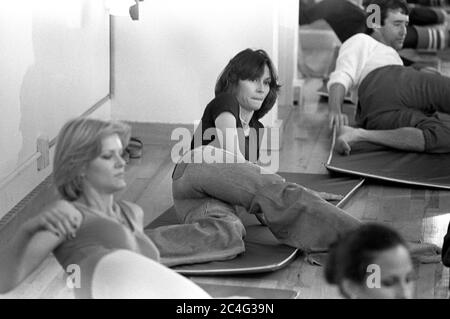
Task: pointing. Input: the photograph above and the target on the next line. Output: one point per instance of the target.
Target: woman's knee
(210, 208)
(125, 274)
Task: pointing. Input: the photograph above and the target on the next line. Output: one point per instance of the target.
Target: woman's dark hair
(249, 65)
(386, 5)
(350, 256)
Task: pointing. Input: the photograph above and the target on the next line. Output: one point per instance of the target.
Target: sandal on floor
(126, 156)
(134, 148)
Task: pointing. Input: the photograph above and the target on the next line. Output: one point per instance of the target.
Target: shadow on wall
(16, 56)
(70, 72)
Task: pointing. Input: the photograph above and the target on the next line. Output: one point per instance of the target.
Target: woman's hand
(61, 219)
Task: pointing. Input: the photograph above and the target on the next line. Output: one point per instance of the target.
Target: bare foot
(424, 248)
(347, 135)
(425, 253)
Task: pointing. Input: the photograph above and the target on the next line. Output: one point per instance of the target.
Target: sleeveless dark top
(206, 133)
(99, 235)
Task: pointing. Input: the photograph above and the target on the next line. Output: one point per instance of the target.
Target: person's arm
(228, 134)
(34, 241)
(352, 60)
(23, 255)
(335, 101)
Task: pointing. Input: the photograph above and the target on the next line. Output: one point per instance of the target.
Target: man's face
(393, 31)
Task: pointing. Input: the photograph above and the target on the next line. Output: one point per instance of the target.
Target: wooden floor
(419, 214)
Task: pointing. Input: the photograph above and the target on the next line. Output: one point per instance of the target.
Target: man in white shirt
(399, 107)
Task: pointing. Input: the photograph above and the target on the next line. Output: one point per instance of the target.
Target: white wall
(54, 63)
(288, 49)
(165, 65)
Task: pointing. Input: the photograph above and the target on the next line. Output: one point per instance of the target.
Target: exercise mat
(372, 161)
(263, 252)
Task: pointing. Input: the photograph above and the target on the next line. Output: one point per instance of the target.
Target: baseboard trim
(29, 178)
(158, 133)
(30, 206)
(161, 133)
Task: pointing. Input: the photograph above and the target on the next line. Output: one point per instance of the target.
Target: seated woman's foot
(346, 136)
(424, 248)
(425, 253)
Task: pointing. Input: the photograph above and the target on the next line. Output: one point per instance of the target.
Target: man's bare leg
(404, 138)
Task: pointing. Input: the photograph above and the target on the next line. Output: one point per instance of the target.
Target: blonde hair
(79, 142)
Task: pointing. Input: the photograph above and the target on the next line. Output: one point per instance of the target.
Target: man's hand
(335, 101)
(336, 118)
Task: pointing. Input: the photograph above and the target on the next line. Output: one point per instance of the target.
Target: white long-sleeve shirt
(358, 56)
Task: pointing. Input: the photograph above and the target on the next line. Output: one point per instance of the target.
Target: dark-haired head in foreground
(372, 261)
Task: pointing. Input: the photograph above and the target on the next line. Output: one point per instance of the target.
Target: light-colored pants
(205, 196)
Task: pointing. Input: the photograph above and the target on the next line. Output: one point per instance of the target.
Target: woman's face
(251, 93)
(396, 276)
(106, 172)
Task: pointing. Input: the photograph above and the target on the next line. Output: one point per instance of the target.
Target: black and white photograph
(225, 158)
